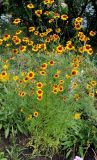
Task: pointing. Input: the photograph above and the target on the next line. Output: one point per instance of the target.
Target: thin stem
(95, 156)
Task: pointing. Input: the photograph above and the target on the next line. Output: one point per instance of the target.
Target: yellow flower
(64, 17)
(1, 41)
(81, 49)
(75, 60)
(46, 1)
(39, 85)
(5, 66)
(77, 23)
(23, 73)
(4, 76)
(29, 117)
(93, 83)
(20, 82)
(91, 94)
(92, 33)
(30, 6)
(74, 72)
(87, 47)
(76, 97)
(58, 30)
(75, 65)
(51, 20)
(18, 32)
(22, 48)
(56, 75)
(4, 73)
(36, 33)
(7, 45)
(55, 37)
(77, 116)
(36, 114)
(61, 81)
(78, 26)
(30, 43)
(39, 98)
(44, 66)
(15, 51)
(49, 30)
(26, 79)
(74, 85)
(38, 12)
(58, 71)
(17, 21)
(39, 92)
(69, 46)
(46, 13)
(35, 48)
(22, 94)
(60, 88)
(43, 73)
(31, 75)
(90, 51)
(67, 76)
(56, 15)
(55, 90)
(17, 40)
(51, 63)
(6, 37)
(88, 86)
(79, 19)
(60, 49)
(51, 1)
(15, 78)
(31, 29)
(55, 86)
(25, 39)
(42, 46)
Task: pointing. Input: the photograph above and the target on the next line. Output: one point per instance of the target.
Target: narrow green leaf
(0, 126)
(7, 132)
(19, 128)
(68, 153)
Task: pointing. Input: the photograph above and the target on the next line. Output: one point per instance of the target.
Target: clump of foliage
(48, 89)
(50, 14)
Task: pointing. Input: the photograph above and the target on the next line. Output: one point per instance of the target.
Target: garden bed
(48, 84)
(24, 153)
